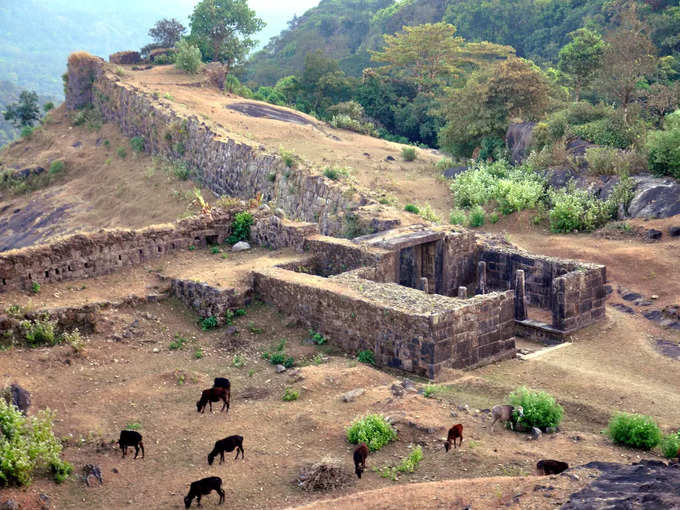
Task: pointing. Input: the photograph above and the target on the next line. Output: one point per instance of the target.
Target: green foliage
(493, 217)
(316, 337)
(634, 430)
(288, 157)
(428, 213)
(581, 58)
(48, 107)
(74, 339)
(458, 217)
(372, 429)
(35, 287)
(56, 167)
(663, 148)
(540, 408)
(335, 173)
(133, 426)
(577, 210)
(122, 153)
(25, 112)
(28, 446)
(40, 331)
(407, 465)
(198, 353)
(412, 208)
(178, 343)
(166, 33)
(187, 57)
(214, 250)
(137, 144)
(208, 323)
(408, 153)
(430, 390)
(26, 131)
(670, 445)
(240, 227)
(232, 85)
(290, 394)
(477, 216)
(238, 361)
(366, 356)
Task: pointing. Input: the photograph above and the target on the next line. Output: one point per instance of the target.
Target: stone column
(462, 292)
(481, 278)
(520, 296)
(423, 285)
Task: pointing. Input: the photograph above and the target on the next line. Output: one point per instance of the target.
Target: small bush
(187, 57)
(407, 465)
(634, 430)
(430, 390)
(477, 216)
(180, 170)
(493, 217)
(178, 343)
(664, 152)
(366, 357)
(238, 361)
(342, 121)
(428, 213)
(240, 227)
(288, 157)
(540, 408)
(40, 331)
(198, 353)
(290, 394)
(577, 210)
(457, 217)
(137, 144)
(74, 339)
(56, 167)
(335, 173)
(208, 323)
(122, 153)
(372, 429)
(214, 250)
(408, 153)
(317, 338)
(670, 445)
(27, 131)
(27, 446)
(411, 208)
(48, 106)
(35, 287)
(445, 164)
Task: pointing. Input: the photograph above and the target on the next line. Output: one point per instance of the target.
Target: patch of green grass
(335, 173)
(288, 157)
(56, 167)
(254, 329)
(430, 390)
(121, 152)
(366, 356)
(208, 323)
(290, 394)
(457, 217)
(317, 338)
(137, 144)
(214, 250)
(412, 208)
(407, 465)
(198, 353)
(408, 153)
(133, 426)
(238, 362)
(178, 343)
(372, 429)
(477, 216)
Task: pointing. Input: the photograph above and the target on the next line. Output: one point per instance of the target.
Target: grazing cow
(228, 444)
(131, 438)
(214, 395)
(202, 487)
(455, 432)
(360, 454)
(551, 467)
(504, 414)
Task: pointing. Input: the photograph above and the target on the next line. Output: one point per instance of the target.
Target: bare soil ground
(317, 143)
(97, 188)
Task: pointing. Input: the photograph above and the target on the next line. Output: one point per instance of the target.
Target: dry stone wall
(208, 301)
(225, 166)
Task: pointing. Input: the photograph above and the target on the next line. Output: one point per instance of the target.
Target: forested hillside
(9, 93)
(346, 30)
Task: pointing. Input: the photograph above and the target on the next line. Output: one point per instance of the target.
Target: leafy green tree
(581, 58)
(166, 32)
(222, 30)
(25, 112)
(323, 83)
(188, 57)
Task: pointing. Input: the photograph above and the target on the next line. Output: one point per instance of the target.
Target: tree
(431, 55)
(188, 57)
(222, 29)
(26, 112)
(167, 32)
(629, 58)
(581, 58)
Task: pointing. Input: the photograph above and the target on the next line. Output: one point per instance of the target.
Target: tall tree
(25, 112)
(166, 32)
(580, 59)
(630, 56)
(431, 55)
(223, 29)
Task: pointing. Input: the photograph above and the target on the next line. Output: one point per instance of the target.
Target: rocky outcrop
(655, 197)
(518, 139)
(648, 484)
(83, 70)
(125, 58)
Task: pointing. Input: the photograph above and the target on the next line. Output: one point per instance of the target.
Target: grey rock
(77, 144)
(408, 385)
(280, 213)
(397, 390)
(654, 234)
(9, 504)
(536, 433)
(630, 296)
(655, 197)
(241, 246)
(20, 397)
(45, 503)
(231, 331)
(453, 172)
(623, 308)
(350, 396)
(389, 158)
(551, 430)
(674, 231)
(280, 369)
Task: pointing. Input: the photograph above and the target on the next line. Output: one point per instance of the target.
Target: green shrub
(445, 164)
(428, 213)
(577, 210)
(40, 331)
(540, 408)
(430, 390)
(27, 131)
(372, 429)
(477, 216)
(493, 217)
(457, 217)
(122, 153)
(611, 131)
(342, 121)
(177, 343)
(48, 106)
(137, 144)
(411, 208)
(317, 338)
(663, 149)
(475, 186)
(187, 57)
(634, 430)
(27, 446)
(601, 160)
(366, 356)
(670, 445)
(407, 465)
(288, 157)
(408, 153)
(198, 353)
(214, 250)
(74, 339)
(56, 167)
(335, 173)
(208, 323)
(290, 394)
(35, 287)
(238, 361)
(240, 227)
(180, 170)
(232, 85)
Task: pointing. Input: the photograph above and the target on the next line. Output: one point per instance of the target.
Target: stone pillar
(520, 296)
(481, 278)
(423, 285)
(83, 70)
(462, 292)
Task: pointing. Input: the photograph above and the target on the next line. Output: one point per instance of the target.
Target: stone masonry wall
(88, 255)
(336, 256)
(223, 165)
(579, 298)
(209, 301)
(274, 233)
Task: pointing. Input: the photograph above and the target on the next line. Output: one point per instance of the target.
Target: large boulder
(518, 139)
(655, 197)
(19, 397)
(453, 172)
(125, 58)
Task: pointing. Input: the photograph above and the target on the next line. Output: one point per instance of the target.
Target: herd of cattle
(221, 391)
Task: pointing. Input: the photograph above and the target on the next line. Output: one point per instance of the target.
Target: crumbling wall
(336, 256)
(579, 298)
(89, 255)
(83, 70)
(274, 233)
(223, 165)
(208, 301)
